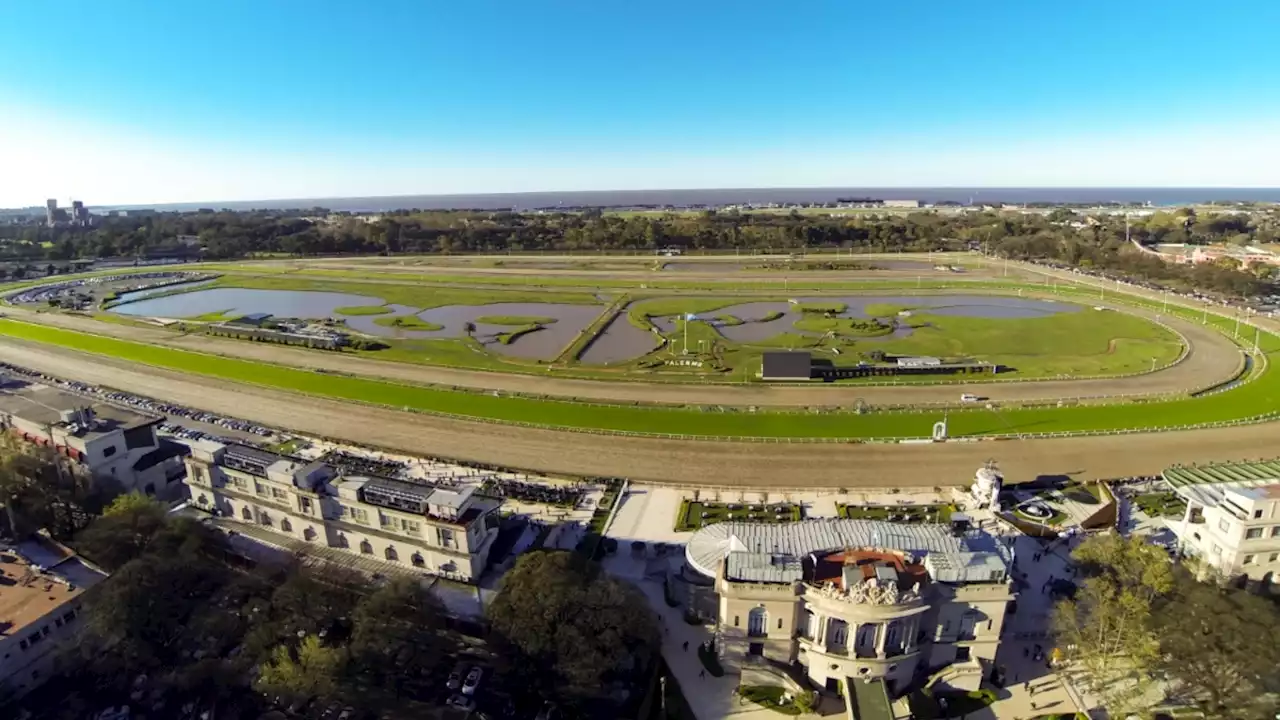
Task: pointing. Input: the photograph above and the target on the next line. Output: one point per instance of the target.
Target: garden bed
(696, 514)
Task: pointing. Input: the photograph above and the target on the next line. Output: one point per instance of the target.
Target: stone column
(882, 634)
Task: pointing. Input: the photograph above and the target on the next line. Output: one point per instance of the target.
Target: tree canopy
(568, 619)
(1140, 624)
(1064, 235)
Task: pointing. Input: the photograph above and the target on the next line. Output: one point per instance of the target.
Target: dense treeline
(1062, 235)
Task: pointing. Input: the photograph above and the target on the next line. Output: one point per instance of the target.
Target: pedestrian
(1026, 686)
(686, 646)
(702, 673)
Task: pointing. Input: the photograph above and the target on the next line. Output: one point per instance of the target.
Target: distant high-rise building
(51, 211)
(79, 213)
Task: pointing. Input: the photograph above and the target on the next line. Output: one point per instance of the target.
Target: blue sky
(132, 102)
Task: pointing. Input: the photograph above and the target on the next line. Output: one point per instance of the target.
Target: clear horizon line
(696, 189)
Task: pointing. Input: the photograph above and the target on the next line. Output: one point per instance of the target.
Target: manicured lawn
(1252, 399)
(897, 513)
(821, 308)
(1055, 517)
(363, 310)
(769, 696)
(694, 514)
(215, 316)
(514, 320)
(406, 322)
(927, 705)
(1161, 504)
(842, 326)
(406, 292)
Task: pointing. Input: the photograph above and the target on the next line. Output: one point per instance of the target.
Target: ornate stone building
(856, 600)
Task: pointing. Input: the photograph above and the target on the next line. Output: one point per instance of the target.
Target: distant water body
(687, 198)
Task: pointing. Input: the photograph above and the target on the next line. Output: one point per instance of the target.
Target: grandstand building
(406, 526)
(99, 440)
(1232, 519)
(871, 606)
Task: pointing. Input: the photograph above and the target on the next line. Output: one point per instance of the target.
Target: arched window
(365, 547)
(246, 513)
(202, 500)
(309, 534)
(391, 554)
(758, 621)
(286, 526)
(893, 638)
(418, 561)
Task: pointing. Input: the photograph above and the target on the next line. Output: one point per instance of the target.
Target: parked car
(473, 681)
(455, 679)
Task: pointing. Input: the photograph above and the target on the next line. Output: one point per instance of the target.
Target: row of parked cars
(145, 404)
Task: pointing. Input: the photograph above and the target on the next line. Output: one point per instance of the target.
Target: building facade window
(446, 537)
(304, 504)
(1224, 526)
(1275, 531)
(418, 561)
(1257, 514)
(391, 554)
(365, 547)
(1248, 559)
(246, 513)
(309, 534)
(286, 526)
(1253, 533)
(1273, 557)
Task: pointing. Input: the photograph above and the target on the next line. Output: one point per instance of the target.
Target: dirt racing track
(696, 463)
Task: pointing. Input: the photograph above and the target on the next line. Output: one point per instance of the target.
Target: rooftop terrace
(37, 576)
(1207, 484)
(45, 405)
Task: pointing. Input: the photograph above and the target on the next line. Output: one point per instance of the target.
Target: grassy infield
(1258, 397)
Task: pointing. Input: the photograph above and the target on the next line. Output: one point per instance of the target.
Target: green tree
(397, 638)
(563, 615)
(310, 669)
(1107, 622)
(123, 532)
(139, 617)
(1220, 646)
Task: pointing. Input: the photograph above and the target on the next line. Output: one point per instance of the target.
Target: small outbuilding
(787, 365)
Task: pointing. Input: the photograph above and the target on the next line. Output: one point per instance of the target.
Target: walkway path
(709, 697)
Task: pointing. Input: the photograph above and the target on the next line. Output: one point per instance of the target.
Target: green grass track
(1259, 397)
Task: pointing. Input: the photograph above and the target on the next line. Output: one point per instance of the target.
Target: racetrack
(698, 463)
(1212, 359)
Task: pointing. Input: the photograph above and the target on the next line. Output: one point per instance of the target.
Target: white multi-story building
(1232, 519)
(854, 600)
(412, 525)
(42, 586)
(101, 440)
